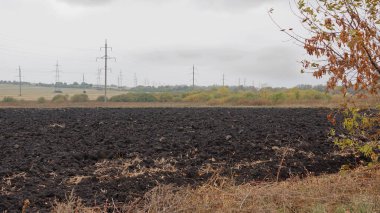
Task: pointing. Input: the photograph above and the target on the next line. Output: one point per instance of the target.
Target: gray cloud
(196, 55)
(87, 2)
(206, 4)
(231, 4)
(276, 66)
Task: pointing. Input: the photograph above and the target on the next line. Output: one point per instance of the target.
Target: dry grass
(7, 184)
(94, 104)
(32, 93)
(76, 180)
(109, 170)
(349, 191)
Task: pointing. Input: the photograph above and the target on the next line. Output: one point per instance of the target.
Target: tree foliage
(343, 43)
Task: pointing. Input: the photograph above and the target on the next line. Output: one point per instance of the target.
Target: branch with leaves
(343, 42)
(345, 39)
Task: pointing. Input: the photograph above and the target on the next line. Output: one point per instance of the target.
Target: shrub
(41, 100)
(221, 92)
(277, 97)
(232, 99)
(100, 98)
(361, 132)
(134, 97)
(60, 98)
(9, 99)
(122, 98)
(145, 97)
(297, 95)
(79, 98)
(199, 97)
(250, 96)
(165, 97)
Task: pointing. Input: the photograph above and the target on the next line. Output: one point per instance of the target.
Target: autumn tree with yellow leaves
(343, 42)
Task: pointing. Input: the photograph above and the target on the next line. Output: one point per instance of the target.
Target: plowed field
(120, 154)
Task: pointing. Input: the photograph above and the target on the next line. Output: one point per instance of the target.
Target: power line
(105, 58)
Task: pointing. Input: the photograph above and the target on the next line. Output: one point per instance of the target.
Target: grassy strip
(350, 191)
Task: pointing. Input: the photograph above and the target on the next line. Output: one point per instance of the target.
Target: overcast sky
(159, 40)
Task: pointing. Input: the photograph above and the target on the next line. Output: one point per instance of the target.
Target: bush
(221, 92)
(250, 96)
(79, 98)
(199, 97)
(134, 97)
(361, 132)
(122, 98)
(165, 97)
(277, 97)
(60, 98)
(297, 95)
(100, 98)
(41, 100)
(145, 97)
(9, 99)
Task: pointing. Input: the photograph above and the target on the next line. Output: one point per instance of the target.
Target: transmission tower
(56, 87)
(223, 80)
(120, 80)
(105, 58)
(193, 76)
(135, 80)
(19, 78)
(98, 78)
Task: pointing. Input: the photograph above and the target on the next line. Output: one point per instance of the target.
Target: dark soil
(120, 154)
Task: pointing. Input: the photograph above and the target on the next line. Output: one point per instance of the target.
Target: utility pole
(239, 83)
(105, 58)
(84, 85)
(19, 78)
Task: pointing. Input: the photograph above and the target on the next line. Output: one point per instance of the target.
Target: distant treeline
(233, 96)
(162, 89)
(215, 96)
(211, 95)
